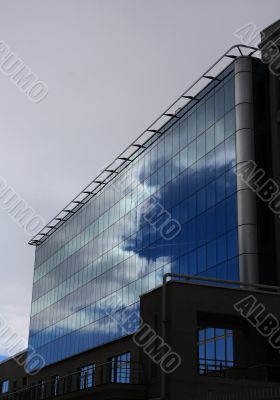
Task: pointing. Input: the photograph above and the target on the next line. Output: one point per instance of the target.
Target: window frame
(87, 376)
(120, 368)
(5, 386)
(205, 364)
(55, 384)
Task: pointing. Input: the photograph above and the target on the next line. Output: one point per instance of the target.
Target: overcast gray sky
(112, 66)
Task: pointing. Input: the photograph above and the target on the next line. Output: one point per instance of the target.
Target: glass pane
(209, 112)
(192, 127)
(230, 123)
(210, 139)
(220, 350)
(219, 131)
(200, 146)
(229, 95)
(201, 119)
(219, 104)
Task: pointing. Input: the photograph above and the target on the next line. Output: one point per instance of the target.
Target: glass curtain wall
(90, 272)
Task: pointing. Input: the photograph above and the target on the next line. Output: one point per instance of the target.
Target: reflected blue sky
(109, 251)
(2, 358)
(215, 349)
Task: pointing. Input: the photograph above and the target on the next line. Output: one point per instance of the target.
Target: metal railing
(129, 373)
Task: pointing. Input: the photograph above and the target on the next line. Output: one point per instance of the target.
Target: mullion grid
(215, 364)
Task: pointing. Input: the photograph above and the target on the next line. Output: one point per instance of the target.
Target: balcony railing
(228, 369)
(127, 373)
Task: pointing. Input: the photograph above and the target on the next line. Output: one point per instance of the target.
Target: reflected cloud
(122, 256)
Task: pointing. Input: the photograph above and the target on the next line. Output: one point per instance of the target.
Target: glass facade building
(110, 248)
